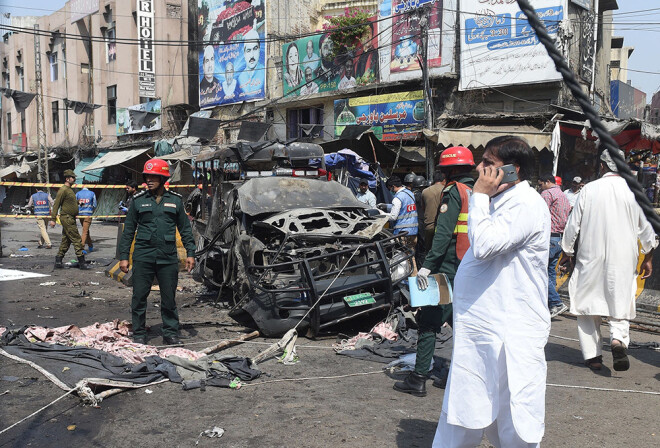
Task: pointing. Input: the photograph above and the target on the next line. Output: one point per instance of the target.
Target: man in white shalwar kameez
(607, 222)
(497, 377)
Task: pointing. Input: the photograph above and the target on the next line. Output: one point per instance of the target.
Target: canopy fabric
(628, 140)
(480, 135)
(94, 176)
(184, 154)
(112, 158)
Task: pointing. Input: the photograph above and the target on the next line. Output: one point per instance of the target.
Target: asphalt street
(326, 400)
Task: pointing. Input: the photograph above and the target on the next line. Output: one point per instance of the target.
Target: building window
(52, 59)
(112, 104)
(109, 36)
(21, 78)
(63, 64)
(8, 126)
(84, 68)
(305, 123)
(55, 107)
(5, 79)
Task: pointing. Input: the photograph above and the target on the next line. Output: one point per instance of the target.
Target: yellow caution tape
(48, 217)
(45, 185)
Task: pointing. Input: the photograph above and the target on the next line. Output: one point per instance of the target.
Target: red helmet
(558, 180)
(456, 156)
(157, 166)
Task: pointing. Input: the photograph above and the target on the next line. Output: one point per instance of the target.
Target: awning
(6, 171)
(112, 158)
(93, 176)
(184, 154)
(480, 135)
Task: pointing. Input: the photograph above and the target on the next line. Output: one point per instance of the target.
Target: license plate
(365, 298)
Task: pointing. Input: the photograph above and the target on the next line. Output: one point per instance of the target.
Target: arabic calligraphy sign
(391, 117)
(499, 46)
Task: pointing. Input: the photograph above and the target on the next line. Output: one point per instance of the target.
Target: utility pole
(428, 115)
(42, 161)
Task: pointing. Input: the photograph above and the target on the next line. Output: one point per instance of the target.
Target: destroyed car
(289, 247)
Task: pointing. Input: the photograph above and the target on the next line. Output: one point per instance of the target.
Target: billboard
(391, 117)
(232, 61)
(146, 53)
(401, 41)
(309, 65)
(79, 9)
(500, 48)
(145, 117)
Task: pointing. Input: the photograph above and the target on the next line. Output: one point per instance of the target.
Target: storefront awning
(184, 154)
(112, 158)
(89, 176)
(8, 170)
(479, 135)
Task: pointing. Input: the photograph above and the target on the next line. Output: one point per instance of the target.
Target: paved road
(355, 411)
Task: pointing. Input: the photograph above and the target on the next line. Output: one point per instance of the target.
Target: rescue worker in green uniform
(156, 214)
(450, 242)
(67, 202)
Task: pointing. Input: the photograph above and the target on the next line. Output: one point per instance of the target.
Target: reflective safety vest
(41, 205)
(86, 202)
(406, 221)
(461, 228)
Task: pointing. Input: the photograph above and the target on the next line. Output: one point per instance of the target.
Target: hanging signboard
(310, 65)
(146, 53)
(392, 116)
(145, 117)
(232, 63)
(587, 50)
(401, 42)
(500, 48)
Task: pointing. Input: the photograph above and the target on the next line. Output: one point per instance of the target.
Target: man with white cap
(251, 79)
(607, 223)
(572, 193)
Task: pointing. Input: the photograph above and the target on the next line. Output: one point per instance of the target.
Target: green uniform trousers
(429, 322)
(70, 236)
(143, 277)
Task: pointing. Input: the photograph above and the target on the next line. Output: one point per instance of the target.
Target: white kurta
(608, 222)
(501, 317)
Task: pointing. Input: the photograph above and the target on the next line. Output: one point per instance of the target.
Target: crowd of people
(499, 244)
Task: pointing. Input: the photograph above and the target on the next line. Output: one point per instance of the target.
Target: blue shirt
(86, 202)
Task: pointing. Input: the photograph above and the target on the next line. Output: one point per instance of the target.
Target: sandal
(620, 357)
(595, 363)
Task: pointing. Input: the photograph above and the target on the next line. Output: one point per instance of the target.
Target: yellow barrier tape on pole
(94, 186)
(77, 217)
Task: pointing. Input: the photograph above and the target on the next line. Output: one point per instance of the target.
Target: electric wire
(590, 112)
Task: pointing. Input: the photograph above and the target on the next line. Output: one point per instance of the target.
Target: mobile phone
(510, 174)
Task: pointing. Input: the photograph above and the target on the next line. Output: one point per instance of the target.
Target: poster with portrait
(400, 38)
(232, 61)
(310, 65)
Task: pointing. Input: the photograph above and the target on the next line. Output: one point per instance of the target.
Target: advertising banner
(499, 47)
(391, 116)
(146, 53)
(145, 117)
(310, 66)
(400, 38)
(232, 62)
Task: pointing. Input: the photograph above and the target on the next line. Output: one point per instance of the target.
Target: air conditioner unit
(89, 131)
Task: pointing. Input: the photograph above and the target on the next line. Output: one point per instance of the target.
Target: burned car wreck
(290, 247)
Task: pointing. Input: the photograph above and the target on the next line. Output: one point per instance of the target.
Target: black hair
(132, 184)
(394, 181)
(547, 177)
(438, 176)
(514, 150)
(364, 182)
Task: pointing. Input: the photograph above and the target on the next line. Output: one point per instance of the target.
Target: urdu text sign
(146, 54)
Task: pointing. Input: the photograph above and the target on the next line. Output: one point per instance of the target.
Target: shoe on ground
(620, 357)
(557, 310)
(58, 263)
(90, 249)
(595, 363)
(40, 246)
(440, 383)
(413, 384)
(49, 247)
(84, 252)
(140, 340)
(172, 340)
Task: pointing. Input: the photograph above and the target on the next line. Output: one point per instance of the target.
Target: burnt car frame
(290, 248)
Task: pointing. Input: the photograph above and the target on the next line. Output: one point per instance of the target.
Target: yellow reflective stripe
(460, 228)
(462, 216)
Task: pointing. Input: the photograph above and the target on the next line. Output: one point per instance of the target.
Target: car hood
(279, 194)
(324, 222)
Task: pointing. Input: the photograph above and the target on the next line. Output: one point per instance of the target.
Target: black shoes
(58, 263)
(140, 340)
(620, 358)
(414, 384)
(82, 264)
(172, 340)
